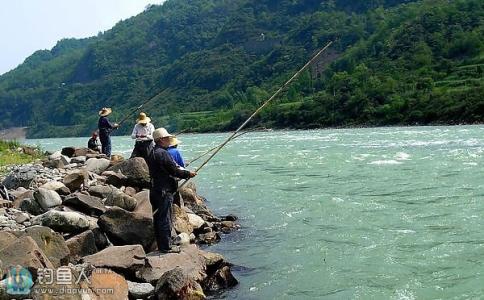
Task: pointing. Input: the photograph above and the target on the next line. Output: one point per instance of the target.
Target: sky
(30, 25)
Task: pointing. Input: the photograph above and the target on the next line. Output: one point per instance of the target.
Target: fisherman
(175, 153)
(105, 129)
(163, 185)
(143, 134)
(93, 143)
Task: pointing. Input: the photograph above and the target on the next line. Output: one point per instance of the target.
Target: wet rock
(124, 259)
(21, 177)
(76, 179)
(24, 252)
(81, 245)
(62, 221)
(136, 171)
(127, 228)
(87, 204)
(57, 186)
(231, 217)
(140, 290)
(209, 238)
(97, 165)
(175, 284)
(120, 199)
(228, 226)
(51, 243)
(47, 198)
(190, 196)
(222, 279)
(102, 191)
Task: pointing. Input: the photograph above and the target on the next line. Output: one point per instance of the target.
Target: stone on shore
(20, 177)
(63, 221)
(87, 204)
(76, 179)
(181, 223)
(122, 200)
(26, 253)
(31, 206)
(97, 165)
(103, 279)
(81, 245)
(127, 228)
(124, 259)
(175, 284)
(195, 221)
(143, 206)
(140, 290)
(47, 199)
(56, 186)
(6, 238)
(116, 179)
(101, 191)
(68, 151)
(136, 171)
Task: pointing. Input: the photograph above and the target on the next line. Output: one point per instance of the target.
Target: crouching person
(163, 186)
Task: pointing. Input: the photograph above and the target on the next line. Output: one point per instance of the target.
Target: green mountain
(392, 62)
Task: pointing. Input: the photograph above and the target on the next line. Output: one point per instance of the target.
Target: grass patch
(10, 154)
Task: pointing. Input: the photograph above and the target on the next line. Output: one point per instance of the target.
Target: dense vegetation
(393, 62)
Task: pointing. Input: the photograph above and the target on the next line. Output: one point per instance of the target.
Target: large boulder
(47, 198)
(21, 177)
(190, 259)
(97, 165)
(127, 228)
(124, 259)
(136, 170)
(6, 238)
(87, 204)
(56, 186)
(51, 243)
(81, 245)
(195, 221)
(76, 179)
(63, 221)
(120, 199)
(26, 253)
(176, 285)
(116, 179)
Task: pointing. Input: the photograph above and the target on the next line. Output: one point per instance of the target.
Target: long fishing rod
(259, 109)
(139, 107)
(211, 149)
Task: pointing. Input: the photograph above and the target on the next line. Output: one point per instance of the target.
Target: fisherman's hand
(192, 174)
(116, 125)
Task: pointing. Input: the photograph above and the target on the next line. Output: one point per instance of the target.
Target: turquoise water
(380, 213)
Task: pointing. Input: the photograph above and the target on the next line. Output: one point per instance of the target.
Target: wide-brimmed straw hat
(160, 133)
(174, 141)
(143, 119)
(105, 111)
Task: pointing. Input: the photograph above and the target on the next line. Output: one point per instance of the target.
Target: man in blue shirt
(175, 154)
(105, 129)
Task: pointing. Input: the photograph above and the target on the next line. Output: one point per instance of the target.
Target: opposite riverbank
(78, 213)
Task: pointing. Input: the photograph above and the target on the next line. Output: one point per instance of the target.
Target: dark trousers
(142, 149)
(161, 202)
(105, 145)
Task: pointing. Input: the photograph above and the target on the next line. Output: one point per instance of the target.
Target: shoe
(173, 249)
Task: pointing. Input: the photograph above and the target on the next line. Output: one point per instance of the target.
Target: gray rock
(78, 160)
(136, 171)
(195, 221)
(55, 155)
(120, 199)
(62, 221)
(21, 177)
(56, 186)
(97, 165)
(21, 217)
(140, 290)
(126, 228)
(100, 238)
(47, 198)
(87, 204)
(116, 179)
(76, 179)
(181, 222)
(65, 160)
(101, 191)
(122, 258)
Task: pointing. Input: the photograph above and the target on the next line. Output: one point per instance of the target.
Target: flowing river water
(376, 213)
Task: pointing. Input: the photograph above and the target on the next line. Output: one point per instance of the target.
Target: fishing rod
(139, 107)
(259, 109)
(211, 149)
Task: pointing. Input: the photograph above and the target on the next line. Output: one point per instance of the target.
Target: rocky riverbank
(79, 226)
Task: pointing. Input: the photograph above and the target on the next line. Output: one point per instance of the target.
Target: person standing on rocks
(143, 134)
(105, 129)
(163, 171)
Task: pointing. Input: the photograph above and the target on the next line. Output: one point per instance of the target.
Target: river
(376, 213)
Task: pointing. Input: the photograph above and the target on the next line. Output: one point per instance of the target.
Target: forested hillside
(392, 62)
